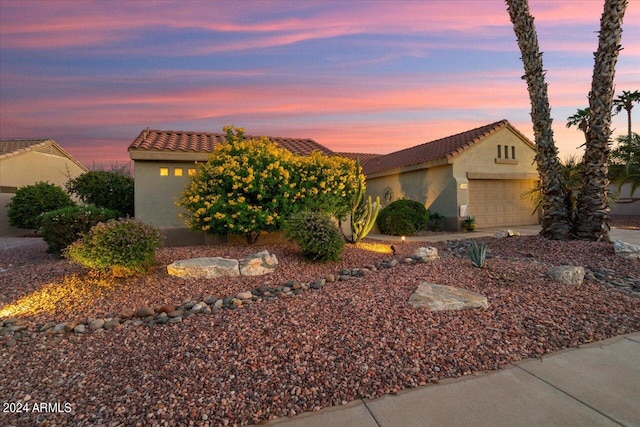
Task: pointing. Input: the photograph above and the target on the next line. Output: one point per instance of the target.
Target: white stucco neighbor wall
(27, 169)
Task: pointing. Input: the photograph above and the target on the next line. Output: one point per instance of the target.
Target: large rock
(626, 250)
(439, 297)
(258, 264)
(505, 233)
(567, 274)
(199, 268)
(426, 254)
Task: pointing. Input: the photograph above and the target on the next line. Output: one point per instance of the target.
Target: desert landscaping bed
(350, 339)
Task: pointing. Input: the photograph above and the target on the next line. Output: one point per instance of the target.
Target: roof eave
(419, 166)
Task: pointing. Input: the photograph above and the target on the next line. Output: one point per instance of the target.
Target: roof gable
(16, 147)
(198, 142)
(438, 149)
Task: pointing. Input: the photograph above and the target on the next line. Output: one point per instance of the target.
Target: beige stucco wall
(27, 169)
(155, 195)
(481, 162)
(434, 187)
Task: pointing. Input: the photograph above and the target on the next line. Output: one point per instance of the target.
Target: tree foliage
(30, 201)
(250, 186)
(105, 189)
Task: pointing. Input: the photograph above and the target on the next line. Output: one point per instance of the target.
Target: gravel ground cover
(350, 339)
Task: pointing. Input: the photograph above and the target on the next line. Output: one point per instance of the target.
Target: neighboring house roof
(443, 148)
(16, 147)
(181, 141)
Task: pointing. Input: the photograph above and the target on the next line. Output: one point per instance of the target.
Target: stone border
(166, 314)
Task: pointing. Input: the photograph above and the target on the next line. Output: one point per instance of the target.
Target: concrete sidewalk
(594, 385)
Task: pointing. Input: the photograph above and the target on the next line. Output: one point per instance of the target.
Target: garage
(499, 202)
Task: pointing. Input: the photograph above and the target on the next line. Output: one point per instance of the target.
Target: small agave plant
(477, 254)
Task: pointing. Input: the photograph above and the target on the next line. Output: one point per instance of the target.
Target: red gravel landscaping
(350, 339)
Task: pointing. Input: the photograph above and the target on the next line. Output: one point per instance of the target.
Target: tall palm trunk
(592, 218)
(556, 218)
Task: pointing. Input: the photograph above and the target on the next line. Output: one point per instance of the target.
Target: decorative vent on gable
(50, 149)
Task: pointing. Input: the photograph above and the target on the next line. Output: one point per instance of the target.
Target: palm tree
(592, 217)
(625, 102)
(555, 212)
(581, 120)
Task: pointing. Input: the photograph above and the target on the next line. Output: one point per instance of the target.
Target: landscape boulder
(567, 274)
(505, 233)
(440, 297)
(258, 264)
(626, 250)
(204, 268)
(426, 254)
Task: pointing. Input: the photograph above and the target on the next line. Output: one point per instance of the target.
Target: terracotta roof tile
(435, 150)
(362, 157)
(159, 140)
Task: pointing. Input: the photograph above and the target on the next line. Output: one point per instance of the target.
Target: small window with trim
(513, 151)
(164, 171)
(177, 171)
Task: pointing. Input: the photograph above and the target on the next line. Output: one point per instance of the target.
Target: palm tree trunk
(592, 217)
(556, 222)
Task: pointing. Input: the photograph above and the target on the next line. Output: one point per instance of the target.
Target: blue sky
(364, 76)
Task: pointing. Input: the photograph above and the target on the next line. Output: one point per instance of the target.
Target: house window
(177, 171)
(513, 152)
(164, 171)
(499, 151)
(506, 151)
(191, 172)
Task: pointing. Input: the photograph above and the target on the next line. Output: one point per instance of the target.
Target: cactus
(363, 213)
(477, 254)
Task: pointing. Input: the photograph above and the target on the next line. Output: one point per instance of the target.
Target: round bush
(105, 189)
(403, 217)
(30, 201)
(64, 226)
(122, 248)
(317, 236)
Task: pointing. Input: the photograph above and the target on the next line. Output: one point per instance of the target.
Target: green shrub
(30, 201)
(122, 248)
(403, 217)
(62, 227)
(436, 222)
(316, 235)
(105, 189)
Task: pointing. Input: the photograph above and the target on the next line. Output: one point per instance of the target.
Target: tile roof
(442, 148)
(169, 140)
(14, 147)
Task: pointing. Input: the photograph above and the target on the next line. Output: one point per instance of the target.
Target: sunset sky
(363, 76)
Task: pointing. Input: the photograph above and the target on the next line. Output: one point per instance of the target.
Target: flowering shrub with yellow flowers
(250, 186)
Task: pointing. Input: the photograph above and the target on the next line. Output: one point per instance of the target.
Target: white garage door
(499, 203)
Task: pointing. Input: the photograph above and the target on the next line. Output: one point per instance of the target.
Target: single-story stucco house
(164, 161)
(482, 173)
(26, 162)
